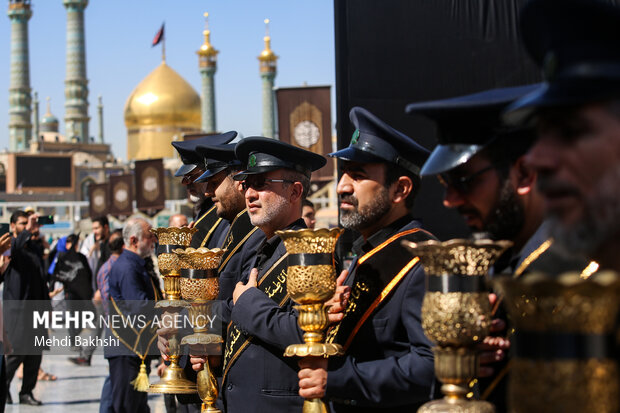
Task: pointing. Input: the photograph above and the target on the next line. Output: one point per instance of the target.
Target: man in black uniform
(210, 227)
(257, 377)
(577, 155)
(229, 203)
(228, 197)
(388, 362)
(481, 163)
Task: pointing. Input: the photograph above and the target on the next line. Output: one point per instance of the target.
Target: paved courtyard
(76, 388)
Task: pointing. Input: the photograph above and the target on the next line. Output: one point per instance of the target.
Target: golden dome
(163, 98)
(161, 106)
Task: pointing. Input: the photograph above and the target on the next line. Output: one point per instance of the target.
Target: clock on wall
(306, 133)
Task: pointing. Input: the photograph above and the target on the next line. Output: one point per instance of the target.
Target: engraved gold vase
(200, 286)
(456, 314)
(173, 381)
(310, 282)
(563, 346)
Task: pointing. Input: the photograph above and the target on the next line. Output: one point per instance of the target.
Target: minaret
(76, 85)
(20, 112)
(100, 113)
(207, 62)
(267, 66)
(35, 116)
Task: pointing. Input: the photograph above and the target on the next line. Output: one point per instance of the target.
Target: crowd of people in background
(70, 271)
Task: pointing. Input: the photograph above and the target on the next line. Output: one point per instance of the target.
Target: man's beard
(366, 216)
(507, 217)
(279, 205)
(144, 250)
(599, 224)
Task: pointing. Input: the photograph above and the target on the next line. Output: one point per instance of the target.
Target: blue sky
(119, 55)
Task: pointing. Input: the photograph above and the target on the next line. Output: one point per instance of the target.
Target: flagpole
(163, 48)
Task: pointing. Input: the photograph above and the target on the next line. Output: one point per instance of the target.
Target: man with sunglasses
(481, 163)
(210, 227)
(240, 241)
(256, 375)
(388, 362)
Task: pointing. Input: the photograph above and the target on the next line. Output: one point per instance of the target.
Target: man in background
(308, 213)
(24, 280)
(131, 287)
(116, 245)
(178, 221)
(73, 271)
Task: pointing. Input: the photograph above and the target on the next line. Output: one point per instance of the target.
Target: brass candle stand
(173, 381)
(200, 286)
(311, 281)
(563, 347)
(456, 314)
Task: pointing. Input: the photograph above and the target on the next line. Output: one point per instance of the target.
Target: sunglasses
(462, 184)
(191, 177)
(260, 183)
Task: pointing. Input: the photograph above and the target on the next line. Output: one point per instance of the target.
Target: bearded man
(211, 228)
(577, 116)
(481, 163)
(388, 362)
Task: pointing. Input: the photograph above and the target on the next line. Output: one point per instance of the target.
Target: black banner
(150, 192)
(99, 199)
(121, 194)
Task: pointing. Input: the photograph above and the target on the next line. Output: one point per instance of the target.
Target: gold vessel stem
(173, 345)
(314, 406)
(207, 389)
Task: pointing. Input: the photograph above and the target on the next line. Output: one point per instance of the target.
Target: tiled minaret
(76, 84)
(35, 117)
(267, 64)
(20, 100)
(207, 62)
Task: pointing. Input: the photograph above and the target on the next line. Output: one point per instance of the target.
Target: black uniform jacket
(242, 241)
(539, 254)
(388, 365)
(211, 229)
(261, 379)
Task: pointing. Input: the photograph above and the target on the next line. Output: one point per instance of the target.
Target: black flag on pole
(159, 36)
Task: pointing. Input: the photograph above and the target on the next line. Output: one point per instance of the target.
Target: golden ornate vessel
(456, 314)
(564, 342)
(200, 286)
(173, 381)
(310, 282)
